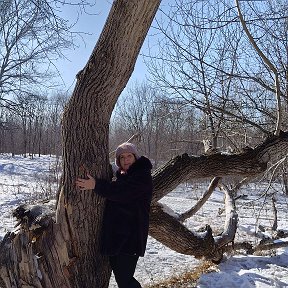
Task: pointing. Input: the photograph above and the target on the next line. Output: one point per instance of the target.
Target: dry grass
(187, 279)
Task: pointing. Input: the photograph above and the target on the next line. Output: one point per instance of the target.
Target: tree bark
(86, 129)
(70, 246)
(167, 228)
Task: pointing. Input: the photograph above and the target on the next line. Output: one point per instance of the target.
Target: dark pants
(123, 267)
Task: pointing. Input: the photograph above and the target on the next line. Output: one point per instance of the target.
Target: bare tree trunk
(86, 128)
(66, 253)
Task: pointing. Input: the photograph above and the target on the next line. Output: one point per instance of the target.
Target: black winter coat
(126, 215)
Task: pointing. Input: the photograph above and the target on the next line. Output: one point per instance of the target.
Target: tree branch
(231, 221)
(268, 63)
(202, 201)
(248, 163)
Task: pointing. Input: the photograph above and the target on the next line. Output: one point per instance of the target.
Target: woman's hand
(86, 184)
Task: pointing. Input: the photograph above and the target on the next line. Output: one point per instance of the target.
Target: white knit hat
(125, 148)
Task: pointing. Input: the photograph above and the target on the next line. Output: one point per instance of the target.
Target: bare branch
(231, 220)
(248, 247)
(248, 163)
(269, 64)
(202, 201)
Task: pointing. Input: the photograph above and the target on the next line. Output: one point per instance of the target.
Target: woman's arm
(135, 186)
(123, 190)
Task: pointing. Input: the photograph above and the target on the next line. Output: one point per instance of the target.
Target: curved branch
(167, 229)
(202, 201)
(231, 220)
(268, 63)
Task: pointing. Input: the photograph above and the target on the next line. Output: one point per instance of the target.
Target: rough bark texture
(169, 230)
(86, 127)
(69, 248)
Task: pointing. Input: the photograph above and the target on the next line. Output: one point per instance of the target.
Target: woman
(126, 215)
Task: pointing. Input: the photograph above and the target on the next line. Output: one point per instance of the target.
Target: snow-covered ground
(25, 180)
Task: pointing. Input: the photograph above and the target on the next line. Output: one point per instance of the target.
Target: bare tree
(269, 64)
(32, 36)
(205, 59)
(36, 125)
(52, 126)
(64, 252)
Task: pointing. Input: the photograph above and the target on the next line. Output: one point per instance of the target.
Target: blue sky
(91, 25)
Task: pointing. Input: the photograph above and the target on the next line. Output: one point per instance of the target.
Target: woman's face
(126, 160)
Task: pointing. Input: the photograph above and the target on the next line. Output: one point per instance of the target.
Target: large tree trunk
(86, 128)
(69, 248)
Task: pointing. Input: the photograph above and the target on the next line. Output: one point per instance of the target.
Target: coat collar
(142, 163)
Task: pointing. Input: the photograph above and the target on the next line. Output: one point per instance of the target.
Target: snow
(26, 180)
(252, 271)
